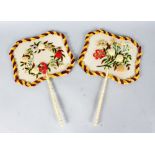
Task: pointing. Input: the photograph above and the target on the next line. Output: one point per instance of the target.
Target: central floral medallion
(56, 58)
(113, 55)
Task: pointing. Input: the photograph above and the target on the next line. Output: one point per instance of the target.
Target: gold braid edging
(30, 84)
(102, 74)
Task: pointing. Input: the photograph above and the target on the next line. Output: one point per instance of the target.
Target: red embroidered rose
(43, 67)
(99, 54)
(58, 54)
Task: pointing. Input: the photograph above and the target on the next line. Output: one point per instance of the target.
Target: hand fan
(40, 58)
(110, 56)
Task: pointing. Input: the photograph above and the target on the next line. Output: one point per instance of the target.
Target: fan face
(35, 57)
(105, 51)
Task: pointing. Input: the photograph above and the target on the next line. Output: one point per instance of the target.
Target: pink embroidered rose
(99, 54)
(58, 54)
(43, 67)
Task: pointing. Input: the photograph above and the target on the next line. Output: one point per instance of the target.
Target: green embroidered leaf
(38, 43)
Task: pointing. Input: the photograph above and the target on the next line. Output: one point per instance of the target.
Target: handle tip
(61, 123)
(95, 124)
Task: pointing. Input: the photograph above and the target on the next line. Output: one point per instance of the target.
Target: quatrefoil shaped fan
(40, 58)
(111, 56)
(33, 57)
(120, 55)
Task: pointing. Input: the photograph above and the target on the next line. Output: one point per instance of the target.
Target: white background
(97, 143)
(127, 108)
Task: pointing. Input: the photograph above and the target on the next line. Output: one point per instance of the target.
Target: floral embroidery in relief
(113, 55)
(56, 58)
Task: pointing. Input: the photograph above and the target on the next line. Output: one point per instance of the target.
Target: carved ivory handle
(100, 100)
(55, 102)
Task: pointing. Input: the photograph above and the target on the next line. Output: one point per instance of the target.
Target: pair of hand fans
(48, 56)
